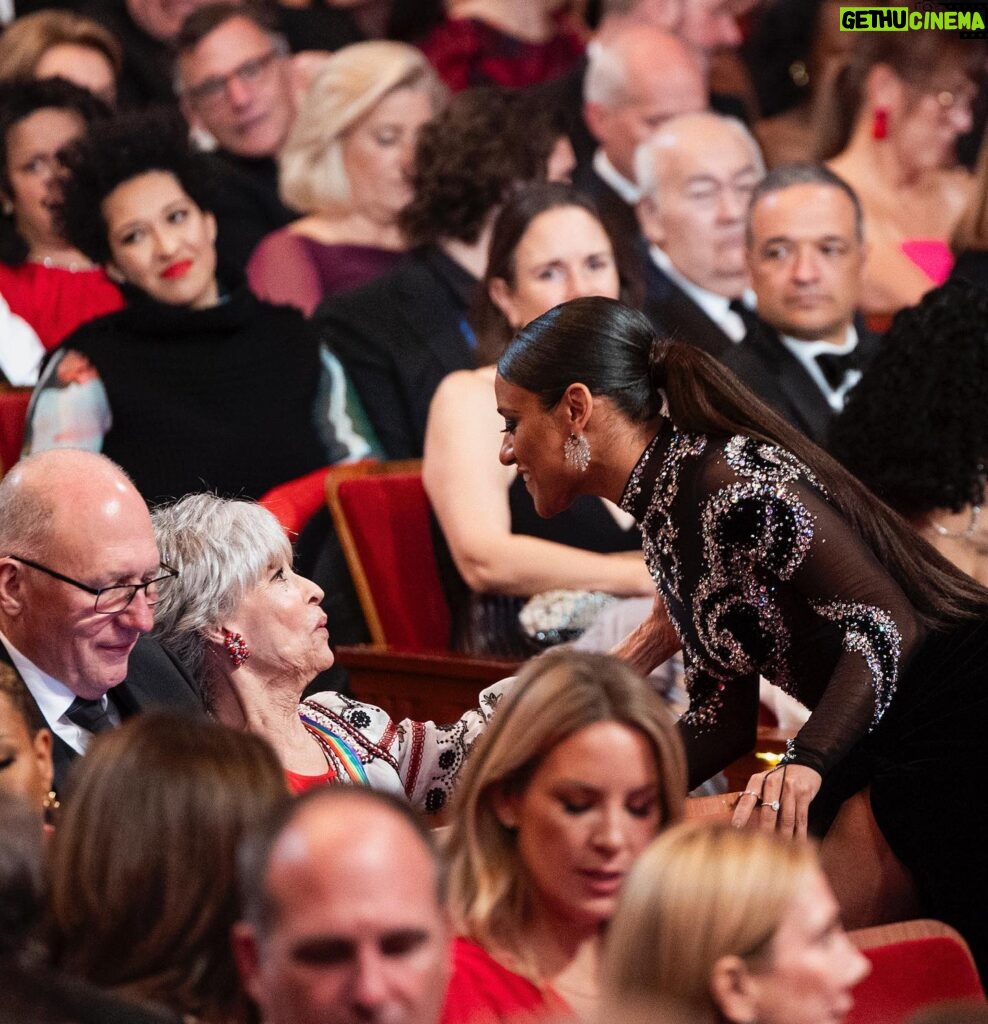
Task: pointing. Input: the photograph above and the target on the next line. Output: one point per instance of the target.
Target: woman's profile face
(25, 760)
(588, 811)
(34, 145)
(283, 625)
(82, 65)
(378, 151)
(161, 242)
(564, 254)
(814, 966)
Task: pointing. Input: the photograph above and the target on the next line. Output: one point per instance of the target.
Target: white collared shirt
(54, 699)
(608, 173)
(717, 307)
(807, 351)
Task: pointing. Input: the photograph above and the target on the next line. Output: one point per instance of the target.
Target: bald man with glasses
(79, 577)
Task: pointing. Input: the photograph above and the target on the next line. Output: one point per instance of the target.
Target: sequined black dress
(762, 575)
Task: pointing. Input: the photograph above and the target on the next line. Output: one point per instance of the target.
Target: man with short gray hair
(696, 176)
(637, 78)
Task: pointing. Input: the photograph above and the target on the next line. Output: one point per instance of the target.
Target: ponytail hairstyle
(615, 353)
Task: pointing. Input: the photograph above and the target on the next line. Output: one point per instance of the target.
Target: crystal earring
(576, 452)
(236, 647)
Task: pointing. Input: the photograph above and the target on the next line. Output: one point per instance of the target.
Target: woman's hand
(779, 800)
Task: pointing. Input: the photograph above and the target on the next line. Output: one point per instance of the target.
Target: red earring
(880, 124)
(236, 648)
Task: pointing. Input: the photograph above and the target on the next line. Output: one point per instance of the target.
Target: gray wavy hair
(222, 548)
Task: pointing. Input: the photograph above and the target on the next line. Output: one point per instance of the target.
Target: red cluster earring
(236, 648)
(880, 124)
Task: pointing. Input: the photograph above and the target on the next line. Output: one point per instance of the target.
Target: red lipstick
(176, 270)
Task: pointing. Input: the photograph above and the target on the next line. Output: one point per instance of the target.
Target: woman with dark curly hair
(915, 429)
(168, 386)
(45, 278)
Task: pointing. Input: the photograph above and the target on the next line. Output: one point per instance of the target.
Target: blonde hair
(351, 82)
(698, 893)
(25, 41)
(554, 697)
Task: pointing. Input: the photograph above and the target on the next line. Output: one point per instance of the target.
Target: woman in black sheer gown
(771, 559)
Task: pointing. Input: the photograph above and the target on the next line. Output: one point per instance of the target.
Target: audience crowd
(679, 306)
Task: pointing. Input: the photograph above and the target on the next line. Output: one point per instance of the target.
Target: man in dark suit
(637, 78)
(805, 250)
(398, 336)
(696, 175)
(79, 573)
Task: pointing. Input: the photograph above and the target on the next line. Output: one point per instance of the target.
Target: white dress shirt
(717, 307)
(54, 699)
(608, 173)
(807, 351)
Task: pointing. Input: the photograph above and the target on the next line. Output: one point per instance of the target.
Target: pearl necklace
(73, 266)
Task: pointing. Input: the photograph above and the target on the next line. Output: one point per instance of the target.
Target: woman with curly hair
(915, 429)
(168, 386)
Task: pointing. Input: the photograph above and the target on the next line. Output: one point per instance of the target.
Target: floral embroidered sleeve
(418, 759)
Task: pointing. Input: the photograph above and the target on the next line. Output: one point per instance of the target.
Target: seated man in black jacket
(805, 250)
(79, 575)
(398, 336)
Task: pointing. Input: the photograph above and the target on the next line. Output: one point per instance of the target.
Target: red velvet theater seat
(13, 411)
(914, 964)
(382, 517)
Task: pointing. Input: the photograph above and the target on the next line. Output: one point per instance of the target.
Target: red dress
(482, 991)
(55, 301)
(467, 51)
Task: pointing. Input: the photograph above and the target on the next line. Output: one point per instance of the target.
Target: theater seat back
(384, 524)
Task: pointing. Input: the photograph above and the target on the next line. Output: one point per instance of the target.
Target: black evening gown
(761, 574)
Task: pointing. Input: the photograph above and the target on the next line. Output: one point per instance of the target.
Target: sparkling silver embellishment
(576, 451)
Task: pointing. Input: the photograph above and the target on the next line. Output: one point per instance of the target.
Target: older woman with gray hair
(253, 634)
(345, 167)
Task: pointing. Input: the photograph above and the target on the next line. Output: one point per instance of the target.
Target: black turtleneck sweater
(221, 398)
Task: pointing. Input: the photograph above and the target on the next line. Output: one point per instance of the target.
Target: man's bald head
(344, 921)
(637, 78)
(72, 523)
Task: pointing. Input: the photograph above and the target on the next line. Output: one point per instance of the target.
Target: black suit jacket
(155, 678)
(397, 337)
(780, 380)
(675, 315)
(619, 216)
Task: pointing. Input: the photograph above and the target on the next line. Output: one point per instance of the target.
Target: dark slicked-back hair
(117, 153)
(467, 159)
(615, 353)
(915, 429)
(789, 175)
(18, 101)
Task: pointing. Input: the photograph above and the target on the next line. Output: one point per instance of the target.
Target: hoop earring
(236, 648)
(880, 124)
(576, 452)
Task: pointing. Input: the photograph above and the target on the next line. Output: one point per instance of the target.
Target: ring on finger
(772, 805)
(751, 792)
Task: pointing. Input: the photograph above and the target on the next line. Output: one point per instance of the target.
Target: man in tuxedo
(805, 250)
(637, 78)
(696, 176)
(343, 921)
(79, 572)
(233, 78)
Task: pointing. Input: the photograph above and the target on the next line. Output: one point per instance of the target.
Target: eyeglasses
(212, 91)
(110, 600)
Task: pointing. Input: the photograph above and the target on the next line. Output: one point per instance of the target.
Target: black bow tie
(835, 367)
(748, 316)
(89, 715)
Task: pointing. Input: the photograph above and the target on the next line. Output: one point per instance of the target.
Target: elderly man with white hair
(638, 77)
(696, 176)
